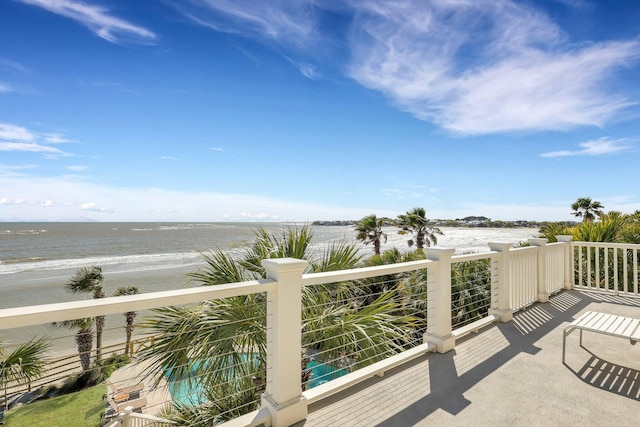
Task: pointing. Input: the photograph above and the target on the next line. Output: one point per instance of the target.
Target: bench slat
(603, 323)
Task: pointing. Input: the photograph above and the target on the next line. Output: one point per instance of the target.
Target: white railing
(610, 267)
(505, 280)
(554, 267)
(524, 277)
(132, 419)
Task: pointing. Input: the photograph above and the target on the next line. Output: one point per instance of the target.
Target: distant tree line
(469, 221)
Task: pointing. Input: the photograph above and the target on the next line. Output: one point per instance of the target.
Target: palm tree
(415, 221)
(84, 338)
(212, 342)
(129, 315)
(25, 363)
(369, 230)
(89, 280)
(586, 209)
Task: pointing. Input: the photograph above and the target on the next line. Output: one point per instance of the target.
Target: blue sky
(221, 110)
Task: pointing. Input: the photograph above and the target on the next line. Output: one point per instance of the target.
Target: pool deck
(130, 375)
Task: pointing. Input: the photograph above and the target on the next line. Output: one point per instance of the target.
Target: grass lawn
(78, 409)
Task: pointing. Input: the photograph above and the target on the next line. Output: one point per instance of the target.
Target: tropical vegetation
(89, 280)
(130, 316)
(613, 227)
(83, 338)
(610, 227)
(221, 344)
(22, 365)
(586, 209)
(369, 230)
(415, 222)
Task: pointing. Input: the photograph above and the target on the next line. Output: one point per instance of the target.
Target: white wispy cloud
(98, 19)
(471, 67)
(5, 87)
(598, 147)
(400, 193)
(18, 138)
(153, 204)
(577, 4)
(439, 62)
(77, 168)
(55, 138)
(216, 149)
(93, 207)
(13, 132)
(30, 147)
(14, 170)
(13, 67)
(289, 22)
(308, 70)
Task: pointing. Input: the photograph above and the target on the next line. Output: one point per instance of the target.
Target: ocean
(38, 259)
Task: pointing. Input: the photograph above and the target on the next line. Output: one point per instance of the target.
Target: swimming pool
(191, 393)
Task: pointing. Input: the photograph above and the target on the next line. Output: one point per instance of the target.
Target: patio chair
(121, 394)
(137, 404)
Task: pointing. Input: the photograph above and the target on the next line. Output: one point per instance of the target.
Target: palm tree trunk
(129, 329)
(84, 340)
(99, 327)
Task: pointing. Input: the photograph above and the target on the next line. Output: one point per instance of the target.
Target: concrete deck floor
(509, 374)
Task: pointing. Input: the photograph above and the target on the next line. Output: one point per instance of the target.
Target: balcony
(507, 374)
(500, 363)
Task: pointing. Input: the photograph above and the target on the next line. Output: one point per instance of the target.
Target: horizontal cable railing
(470, 289)
(352, 319)
(349, 325)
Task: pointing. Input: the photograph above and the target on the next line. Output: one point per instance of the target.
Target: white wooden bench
(603, 323)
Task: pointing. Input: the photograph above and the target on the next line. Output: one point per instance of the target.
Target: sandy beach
(46, 288)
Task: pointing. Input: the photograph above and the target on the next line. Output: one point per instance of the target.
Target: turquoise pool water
(322, 373)
(189, 393)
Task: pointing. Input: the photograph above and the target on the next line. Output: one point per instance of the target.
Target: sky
(303, 110)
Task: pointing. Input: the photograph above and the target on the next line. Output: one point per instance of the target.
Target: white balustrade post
(126, 416)
(500, 281)
(568, 260)
(439, 291)
(543, 295)
(283, 395)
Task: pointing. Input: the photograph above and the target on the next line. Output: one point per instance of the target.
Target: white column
(126, 416)
(568, 260)
(543, 295)
(283, 395)
(500, 281)
(439, 291)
